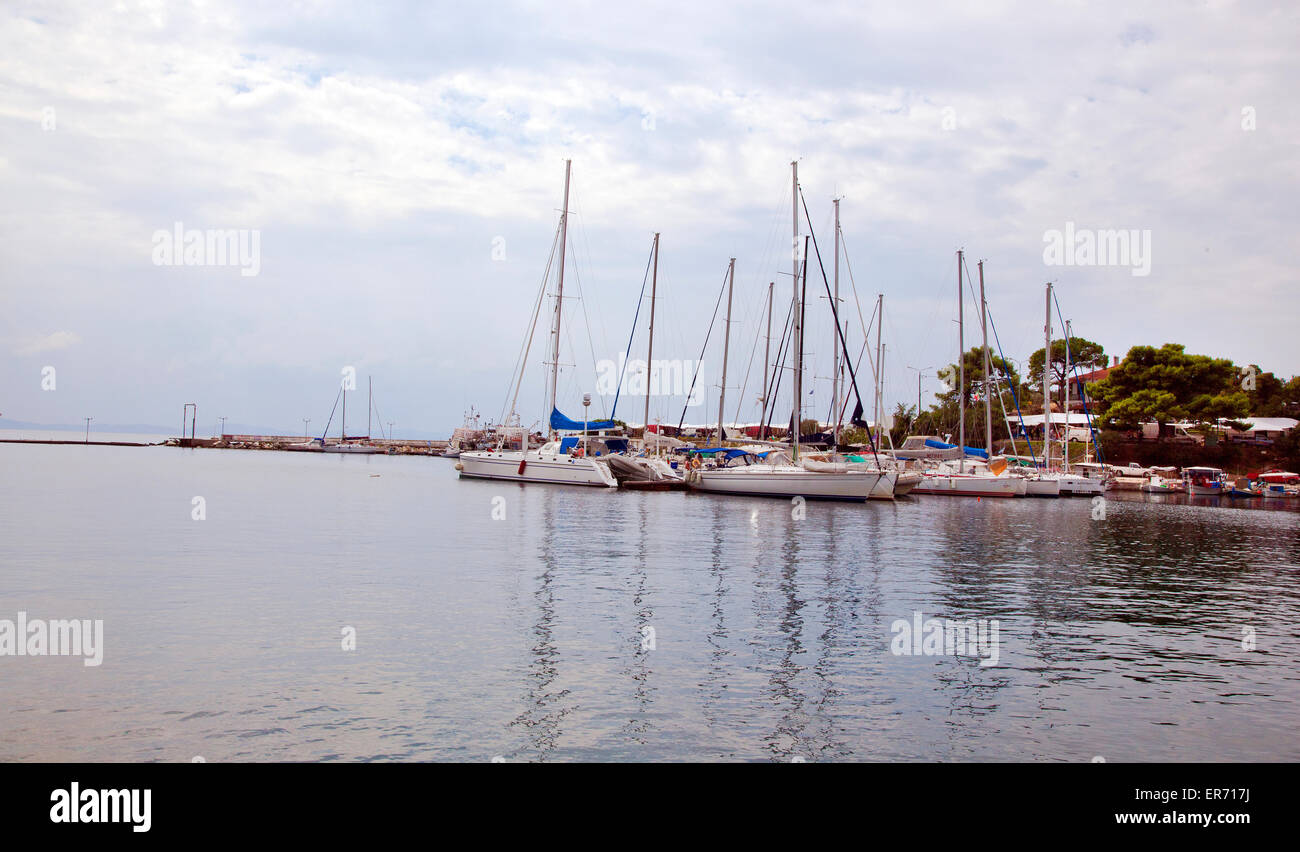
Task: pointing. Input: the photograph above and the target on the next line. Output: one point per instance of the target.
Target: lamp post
(919, 372)
(88, 419)
(305, 421)
(222, 434)
(390, 430)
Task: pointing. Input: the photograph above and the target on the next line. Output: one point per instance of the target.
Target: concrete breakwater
(296, 443)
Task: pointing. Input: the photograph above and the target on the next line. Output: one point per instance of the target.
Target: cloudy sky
(402, 166)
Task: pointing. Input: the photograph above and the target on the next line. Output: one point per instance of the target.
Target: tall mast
(988, 383)
(559, 293)
(343, 424)
(650, 352)
(1065, 442)
(726, 347)
(880, 403)
(1047, 397)
(835, 319)
(798, 364)
(880, 353)
(797, 384)
(370, 402)
(961, 366)
(767, 358)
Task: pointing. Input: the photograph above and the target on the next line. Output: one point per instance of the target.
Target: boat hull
(957, 485)
(1080, 486)
(555, 469)
(786, 483)
(1042, 487)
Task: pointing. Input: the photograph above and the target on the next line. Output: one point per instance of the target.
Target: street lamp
(88, 419)
(390, 430)
(305, 421)
(223, 426)
(919, 372)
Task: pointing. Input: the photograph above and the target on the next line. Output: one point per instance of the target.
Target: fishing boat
(1277, 484)
(562, 460)
(1205, 481)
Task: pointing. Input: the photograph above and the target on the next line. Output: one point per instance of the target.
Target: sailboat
(775, 474)
(1071, 484)
(961, 477)
(561, 460)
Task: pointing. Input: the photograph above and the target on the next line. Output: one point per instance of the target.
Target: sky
(399, 169)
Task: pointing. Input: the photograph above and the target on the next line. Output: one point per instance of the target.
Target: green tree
(1166, 384)
(1004, 374)
(1084, 354)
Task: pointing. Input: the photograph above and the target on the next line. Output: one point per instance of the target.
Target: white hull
(907, 480)
(787, 481)
(966, 485)
(538, 466)
(352, 449)
(1080, 486)
(1042, 486)
(1205, 490)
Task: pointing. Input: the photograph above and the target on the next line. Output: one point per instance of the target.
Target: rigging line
(591, 344)
(745, 384)
(1014, 396)
(628, 354)
(1075, 368)
(787, 339)
(332, 412)
(521, 365)
(838, 332)
(703, 349)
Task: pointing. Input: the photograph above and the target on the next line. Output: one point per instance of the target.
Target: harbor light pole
(223, 427)
(305, 421)
(88, 419)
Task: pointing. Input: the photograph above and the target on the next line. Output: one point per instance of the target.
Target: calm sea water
(529, 638)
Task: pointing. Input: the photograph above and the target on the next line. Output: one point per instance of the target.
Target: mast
(370, 402)
(650, 352)
(767, 358)
(880, 389)
(1065, 442)
(988, 401)
(798, 364)
(343, 426)
(835, 319)
(726, 347)
(961, 367)
(880, 353)
(797, 384)
(559, 293)
(1047, 397)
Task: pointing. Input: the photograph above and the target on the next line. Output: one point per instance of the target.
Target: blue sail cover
(560, 423)
(979, 454)
(939, 445)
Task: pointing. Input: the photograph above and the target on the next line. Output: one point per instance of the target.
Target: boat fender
(459, 466)
(522, 463)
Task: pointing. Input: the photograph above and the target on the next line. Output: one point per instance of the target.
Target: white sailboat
(775, 474)
(963, 478)
(558, 461)
(1072, 484)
